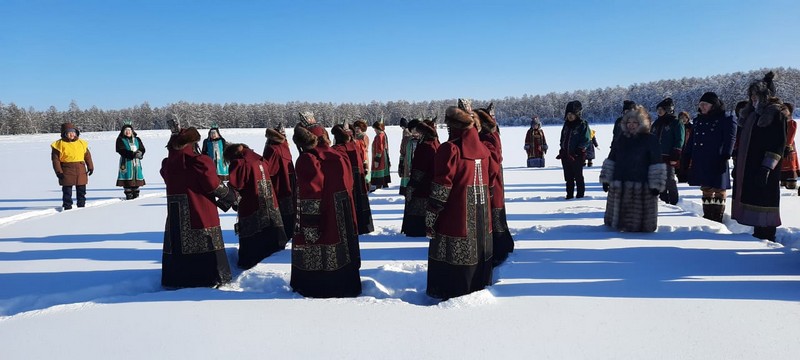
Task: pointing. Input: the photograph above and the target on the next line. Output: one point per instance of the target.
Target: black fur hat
(764, 88)
(403, 122)
(413, 123)
(710, 97)
(668, 105)
(628, 105)
(574, 107)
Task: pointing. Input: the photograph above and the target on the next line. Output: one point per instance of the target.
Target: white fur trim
(607, 172)
(657, 176)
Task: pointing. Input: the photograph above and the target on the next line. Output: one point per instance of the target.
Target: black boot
(570, 189)
(128, 193)
(581, 188)
(765, 232)
(713, 209)
(135, 192)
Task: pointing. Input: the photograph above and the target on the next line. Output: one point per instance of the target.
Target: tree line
(599, 106)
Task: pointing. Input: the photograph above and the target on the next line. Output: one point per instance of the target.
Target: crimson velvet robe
(325, 251)
(260, 227)
(194, 252)
(459, 217)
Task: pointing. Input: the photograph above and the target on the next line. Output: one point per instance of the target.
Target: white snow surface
(85, 283)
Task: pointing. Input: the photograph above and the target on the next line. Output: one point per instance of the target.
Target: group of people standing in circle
(453, 190)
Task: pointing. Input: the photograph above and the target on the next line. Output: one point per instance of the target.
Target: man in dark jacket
(575, 139)
(669, 132)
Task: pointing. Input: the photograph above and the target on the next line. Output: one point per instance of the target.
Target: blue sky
(117, 54)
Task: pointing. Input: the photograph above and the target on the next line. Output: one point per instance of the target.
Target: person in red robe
(502, 242)
(362, 140)
(381, 165)
(458, 215)
(282, 174)
(260, 227)
(194, 251)
(419, 185)
(325, 252)
(535, 143)
(349, 148)
(789, 164)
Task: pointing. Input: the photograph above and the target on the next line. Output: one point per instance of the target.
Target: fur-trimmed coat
(632, 169)
(756, 198)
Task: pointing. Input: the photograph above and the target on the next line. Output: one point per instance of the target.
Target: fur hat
(639, 113)
(426, 130)
(789, 106)
(303, 138)
(281, 129)
(275, 136)
(378, 125)
(574, 107)
(185, 136)
(763, 88)
(487, 121)
(711, 98)
(233, 151)
(403, 122)
(413, 123)
(307, 118)
(341, 134)
(174, 123)
(461, 116)
(68, 126)
(668, 105)
(628, 105)
(127, 125)
(535, 121)
(360, 124)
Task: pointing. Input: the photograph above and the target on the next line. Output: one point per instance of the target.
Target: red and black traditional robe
(535, 143)
(284, 181)
(351, 150)
(260, 227)
(380, 161)
(503, 243)
(419, 188)
(459, 217)
(194, 252)
(325, 254)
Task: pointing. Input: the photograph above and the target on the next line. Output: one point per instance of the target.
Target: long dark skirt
(361, 199)
(503, 243)
(254, 248)
(447, 281)
(343, 282)
(209, 269)
(414, 217)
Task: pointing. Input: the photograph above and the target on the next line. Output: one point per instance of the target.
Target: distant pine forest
(599, 106)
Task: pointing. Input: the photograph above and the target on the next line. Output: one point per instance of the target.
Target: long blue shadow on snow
(152, 236)
(650, 272)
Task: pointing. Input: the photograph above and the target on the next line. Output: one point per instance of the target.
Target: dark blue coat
(709, 149)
